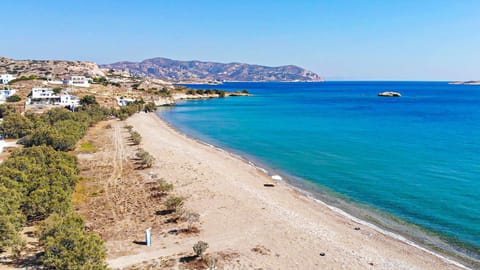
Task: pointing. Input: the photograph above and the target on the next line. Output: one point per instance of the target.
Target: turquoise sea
(409, 164)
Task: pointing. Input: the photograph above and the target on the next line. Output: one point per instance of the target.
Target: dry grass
(87, 147)
(117, 200)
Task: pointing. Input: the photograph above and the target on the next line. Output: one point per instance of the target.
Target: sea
(409, 164)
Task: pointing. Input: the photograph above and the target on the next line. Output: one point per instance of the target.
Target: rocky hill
(48, 68)
(172, 70)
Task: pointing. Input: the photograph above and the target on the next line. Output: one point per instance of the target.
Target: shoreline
(287, 180)
(289, 221)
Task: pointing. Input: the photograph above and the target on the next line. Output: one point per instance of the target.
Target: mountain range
(173, 70)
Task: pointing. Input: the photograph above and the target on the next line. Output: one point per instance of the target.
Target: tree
(11, 218)
(69, 246)
(88, 100)
(13, 98)
(6, 109)
(15, 125)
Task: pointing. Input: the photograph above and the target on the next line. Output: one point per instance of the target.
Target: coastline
(313, 195)
(387, 250)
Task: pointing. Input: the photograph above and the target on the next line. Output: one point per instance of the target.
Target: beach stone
(322, 254)
(357, 228)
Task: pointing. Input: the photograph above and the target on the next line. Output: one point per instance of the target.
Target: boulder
(389, 94)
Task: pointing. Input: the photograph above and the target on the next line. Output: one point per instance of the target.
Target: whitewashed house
(69, 100)
(80, 81)
(46, 96)
(4, 94)
(122, 101)
(6, 78)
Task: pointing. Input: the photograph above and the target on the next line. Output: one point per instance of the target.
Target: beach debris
(357, 228)
(389, 94)
(268, 185)
(371, 264)
(261, 250)
(277, 177)
(322, 254)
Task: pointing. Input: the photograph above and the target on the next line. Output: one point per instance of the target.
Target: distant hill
(173, 70)
(48, 68)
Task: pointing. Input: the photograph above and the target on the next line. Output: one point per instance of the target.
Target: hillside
(172, 70)
(48, 68)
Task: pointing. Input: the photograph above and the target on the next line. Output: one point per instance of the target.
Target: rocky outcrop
(389, 94)
(172, 70)
(49, 68)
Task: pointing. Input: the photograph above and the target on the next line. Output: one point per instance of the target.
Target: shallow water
(416, 157)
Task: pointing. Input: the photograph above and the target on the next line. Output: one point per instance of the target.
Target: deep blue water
(416, 157)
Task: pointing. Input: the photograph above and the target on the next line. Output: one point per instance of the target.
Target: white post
(148, 236)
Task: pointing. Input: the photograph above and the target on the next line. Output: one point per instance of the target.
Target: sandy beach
(260, 227)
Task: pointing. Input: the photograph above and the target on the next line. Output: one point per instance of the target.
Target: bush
(57, 90)
(174, 203)
(13, 98)
(150, 107)
(135, 137)
(16, 126)
(6, 109)
(88, 100)
(146, 160)
(190, 218)
(11, 218)
(199, 248)
(69, 246)
(164, 187)
(245, 91)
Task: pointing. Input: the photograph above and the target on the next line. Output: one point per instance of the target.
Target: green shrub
(135, 137)
(69, 246)
(13, 98)
(174, 202)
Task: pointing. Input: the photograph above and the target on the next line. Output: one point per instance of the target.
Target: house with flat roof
(46, 96)
(6, 78)
(80, 81)
(5, 93)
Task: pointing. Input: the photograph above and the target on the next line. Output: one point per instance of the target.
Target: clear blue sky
(356, 39)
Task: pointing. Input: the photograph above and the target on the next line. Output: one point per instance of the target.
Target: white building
(69, 100)
(4, 94)
(80, 81)
(124, 101)
(46, 96)
(6, 78)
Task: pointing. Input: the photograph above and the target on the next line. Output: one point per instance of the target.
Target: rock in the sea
(389, 94)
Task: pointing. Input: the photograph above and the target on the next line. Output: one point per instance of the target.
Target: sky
(338, 39)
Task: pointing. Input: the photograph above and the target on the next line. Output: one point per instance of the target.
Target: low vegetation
(135, 137)
(145, 159)
(199, 248)
(14, 98)
(37, 183)
(23, 78)
(87, 147)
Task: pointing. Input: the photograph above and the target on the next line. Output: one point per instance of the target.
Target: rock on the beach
(389, 94)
